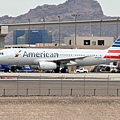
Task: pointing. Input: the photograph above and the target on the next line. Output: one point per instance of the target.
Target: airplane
(54, 59)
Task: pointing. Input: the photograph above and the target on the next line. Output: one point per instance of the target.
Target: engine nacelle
(47, 65)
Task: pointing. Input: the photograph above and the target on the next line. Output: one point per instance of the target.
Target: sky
(18, 7)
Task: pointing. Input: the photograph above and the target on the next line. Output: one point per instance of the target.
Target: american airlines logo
(40, 54)
(17, 54)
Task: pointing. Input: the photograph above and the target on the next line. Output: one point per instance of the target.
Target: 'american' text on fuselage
(40, 54)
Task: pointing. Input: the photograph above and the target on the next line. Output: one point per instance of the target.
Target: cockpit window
(1, 53)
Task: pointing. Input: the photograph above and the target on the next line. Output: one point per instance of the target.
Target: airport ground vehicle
(109, 68)
(25, 68)
(81, 70)
(4, 68)
(106, 68)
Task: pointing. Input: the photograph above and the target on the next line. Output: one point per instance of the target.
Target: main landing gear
(63, 70)
(57, 70)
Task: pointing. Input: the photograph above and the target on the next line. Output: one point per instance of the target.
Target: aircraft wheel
(63, 70)
(57, 70)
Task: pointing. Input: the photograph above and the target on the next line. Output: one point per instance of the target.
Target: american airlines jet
(53, 59)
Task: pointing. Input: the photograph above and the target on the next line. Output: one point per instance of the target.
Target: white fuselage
(23, 56)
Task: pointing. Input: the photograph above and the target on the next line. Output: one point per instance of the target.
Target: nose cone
(4, 56)
(3, 59)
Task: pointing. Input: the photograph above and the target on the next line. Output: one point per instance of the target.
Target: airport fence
(62, 86)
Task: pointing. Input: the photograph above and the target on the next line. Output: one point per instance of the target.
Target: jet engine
(47, 65)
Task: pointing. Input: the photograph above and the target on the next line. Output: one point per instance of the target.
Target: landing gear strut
(63, 70)
(58, 68)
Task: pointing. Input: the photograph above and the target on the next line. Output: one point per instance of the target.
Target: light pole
(59, 30)
(100, 28)
(75, 15)
(44, 32)
(117, 28)
(29, 33)
(90, 29)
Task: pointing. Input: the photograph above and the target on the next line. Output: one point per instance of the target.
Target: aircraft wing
(62, 60)
(68, 58)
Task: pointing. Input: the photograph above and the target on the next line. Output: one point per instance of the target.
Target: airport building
(31, 36)
(89, 42)
(81, 43)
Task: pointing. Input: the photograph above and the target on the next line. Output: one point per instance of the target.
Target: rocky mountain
(87, 9)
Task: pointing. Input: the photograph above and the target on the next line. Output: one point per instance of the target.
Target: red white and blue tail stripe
(114, 51)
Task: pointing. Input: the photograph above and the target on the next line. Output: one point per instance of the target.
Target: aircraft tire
(56, 70)
(63, 70)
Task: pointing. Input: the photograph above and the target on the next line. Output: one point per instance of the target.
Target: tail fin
(113, 51)
(116, 44)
